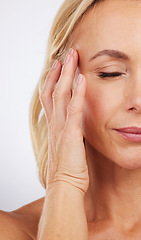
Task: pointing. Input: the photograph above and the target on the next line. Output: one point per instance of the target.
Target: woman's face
(111, 102)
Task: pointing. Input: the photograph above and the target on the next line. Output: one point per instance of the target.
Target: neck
(114, 192)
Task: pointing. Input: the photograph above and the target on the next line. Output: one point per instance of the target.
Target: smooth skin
(112, 200)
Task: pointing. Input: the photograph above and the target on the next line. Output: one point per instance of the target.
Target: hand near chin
(66, 152)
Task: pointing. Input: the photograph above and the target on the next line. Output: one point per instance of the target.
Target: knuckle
(56, 95)
(43, 97)
(77, 94)
(71, 110)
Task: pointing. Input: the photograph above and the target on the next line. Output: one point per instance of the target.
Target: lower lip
(130, 136)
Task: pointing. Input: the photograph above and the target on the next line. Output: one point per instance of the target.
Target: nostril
(133, 108)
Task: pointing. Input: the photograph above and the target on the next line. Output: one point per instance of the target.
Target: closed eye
(110, 74)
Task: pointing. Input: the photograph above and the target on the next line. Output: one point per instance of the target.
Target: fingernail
(67, 58)
(71, 51)
(54, 64)
(80, 78)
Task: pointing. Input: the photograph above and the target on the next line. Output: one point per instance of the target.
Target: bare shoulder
(11, 229)
(21, 224)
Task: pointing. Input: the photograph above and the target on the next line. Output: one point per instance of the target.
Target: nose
(134, 97)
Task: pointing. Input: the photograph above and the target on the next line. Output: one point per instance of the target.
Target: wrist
(63, 213)
(62, 187)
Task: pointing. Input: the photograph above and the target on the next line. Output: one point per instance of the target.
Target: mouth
(132, 134)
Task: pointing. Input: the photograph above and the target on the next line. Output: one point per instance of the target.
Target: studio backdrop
(24, 29)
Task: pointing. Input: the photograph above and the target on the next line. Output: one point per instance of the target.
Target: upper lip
(133, 130)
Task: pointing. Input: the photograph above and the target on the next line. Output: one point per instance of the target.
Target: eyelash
(110, 75)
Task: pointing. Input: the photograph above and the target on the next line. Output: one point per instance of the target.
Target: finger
(62, 93)
(75, 107)
(48, 88)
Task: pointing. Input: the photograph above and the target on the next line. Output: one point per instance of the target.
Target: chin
(128, 157)
(125, 159)
(129, 162)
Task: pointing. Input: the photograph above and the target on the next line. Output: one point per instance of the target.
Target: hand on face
(66, 151)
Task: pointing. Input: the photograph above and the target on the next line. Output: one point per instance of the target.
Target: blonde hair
(68, 16)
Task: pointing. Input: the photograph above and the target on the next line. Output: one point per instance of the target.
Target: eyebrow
(111, 53)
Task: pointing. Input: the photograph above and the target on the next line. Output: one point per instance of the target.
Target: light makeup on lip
(132, 137)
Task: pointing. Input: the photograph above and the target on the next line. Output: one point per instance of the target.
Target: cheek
(100, 106)
(99, 103)
(93, 114)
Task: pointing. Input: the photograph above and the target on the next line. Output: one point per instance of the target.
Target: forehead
(109, 23)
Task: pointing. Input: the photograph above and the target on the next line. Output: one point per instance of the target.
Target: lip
(132, 134)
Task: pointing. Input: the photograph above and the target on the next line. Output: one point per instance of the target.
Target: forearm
(63, 216)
